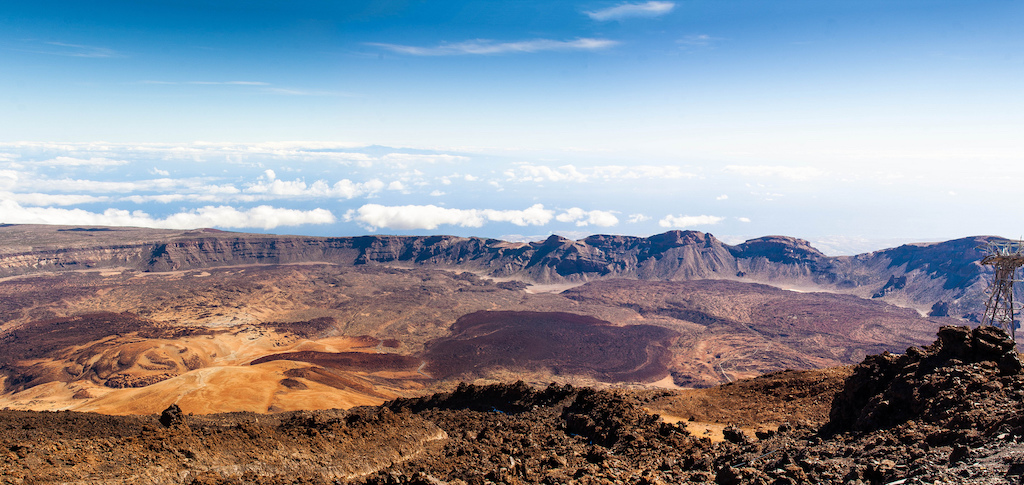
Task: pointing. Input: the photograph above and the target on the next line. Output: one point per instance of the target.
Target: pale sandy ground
(217, 389)
(552, 288)
(713, 431)
(666, 383)
(231, 388)
(225, 384)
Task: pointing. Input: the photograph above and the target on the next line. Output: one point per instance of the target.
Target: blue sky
(854, 124)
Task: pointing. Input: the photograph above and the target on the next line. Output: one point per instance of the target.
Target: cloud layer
(262, 217)
(369, 188)
(376, 216)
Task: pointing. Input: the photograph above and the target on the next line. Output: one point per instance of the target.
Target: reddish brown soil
(349, 361)
(741, 330)
(767, 400)
(564, 343)
(330, 378)
(46, 338)
(57, 340)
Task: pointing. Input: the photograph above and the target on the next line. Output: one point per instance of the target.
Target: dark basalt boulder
(172, 416)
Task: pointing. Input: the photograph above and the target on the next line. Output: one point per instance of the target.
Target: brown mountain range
(938, 278)
(123, 320)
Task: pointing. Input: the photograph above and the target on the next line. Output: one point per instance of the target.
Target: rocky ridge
(943, 278)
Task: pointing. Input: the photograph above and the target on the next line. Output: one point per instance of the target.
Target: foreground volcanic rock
(309, 447)
(950, 412)
(933, 384)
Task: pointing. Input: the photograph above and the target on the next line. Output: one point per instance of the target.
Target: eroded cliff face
(130, 256)
(943, 278)
(208, 252)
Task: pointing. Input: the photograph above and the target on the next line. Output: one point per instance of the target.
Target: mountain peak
(778, 249)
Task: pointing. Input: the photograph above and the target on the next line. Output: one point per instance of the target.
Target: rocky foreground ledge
(950, 412)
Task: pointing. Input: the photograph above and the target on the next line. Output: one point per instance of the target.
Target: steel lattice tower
(999, 311)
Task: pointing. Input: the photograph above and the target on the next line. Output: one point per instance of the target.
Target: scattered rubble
(950, 412)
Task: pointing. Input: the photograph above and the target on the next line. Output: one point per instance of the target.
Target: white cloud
(396, 185)
(681, 222)
(722, 197)
(540, 173)
(375, 216)
(636, 218)
(265, 217)
(743, 219)
(571, 215)
(79, 185)
(29, 182)
(267, 156)
(38, 199)
(190, 185)
(436, 193)
(584, 218)
(760, 171)
(520, 238)
(8, 179)
(470, 178)
(79, 162)
(161, 198)
(405, 158)
(348, 189)
(535, 215)
(612, 172)
(342, 189)
(290, 151)
(525, 172)
(628, 10)
(484, 47)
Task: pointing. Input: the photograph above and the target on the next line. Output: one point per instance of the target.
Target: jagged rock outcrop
(939, 384)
